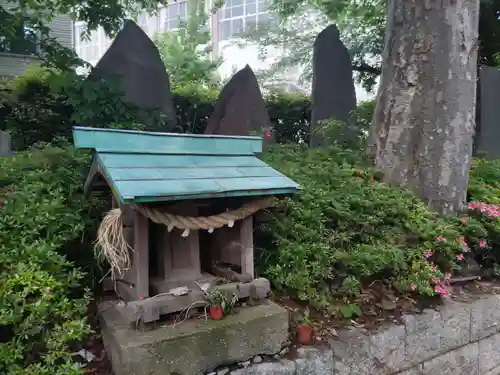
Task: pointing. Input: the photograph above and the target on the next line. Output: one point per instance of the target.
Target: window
(172, 14)
(238, 16)
(87, 47)
(17, 36)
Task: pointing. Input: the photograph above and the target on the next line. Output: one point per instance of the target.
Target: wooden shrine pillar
(140, 255)
(134, 283)
(235, 245)
(246, 238)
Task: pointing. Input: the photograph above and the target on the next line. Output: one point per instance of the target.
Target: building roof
(150, 167)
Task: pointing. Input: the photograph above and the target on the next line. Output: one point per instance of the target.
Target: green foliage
(43, 217)
(482, 226)
(37, 16)
(362, 24)
(346, 228)
(187, 51)
(45, 103)
(484, 181)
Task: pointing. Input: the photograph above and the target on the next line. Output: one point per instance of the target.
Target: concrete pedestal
(193, 347)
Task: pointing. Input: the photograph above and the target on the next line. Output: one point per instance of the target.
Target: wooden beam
(150, 309)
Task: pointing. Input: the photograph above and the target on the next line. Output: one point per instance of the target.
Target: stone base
(192, 347)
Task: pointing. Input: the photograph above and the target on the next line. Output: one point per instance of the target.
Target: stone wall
(458, 339)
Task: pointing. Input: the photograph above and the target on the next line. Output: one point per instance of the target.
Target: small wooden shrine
(184, 205)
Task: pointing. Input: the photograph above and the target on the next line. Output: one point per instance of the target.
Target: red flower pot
(215, 312)
(305, 334)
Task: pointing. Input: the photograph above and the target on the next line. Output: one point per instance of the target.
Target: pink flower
(433, 268)
(436, 280)
(440, 238)
(413, 287)
(491, 210)
(439, 289)
(482, 244)
(447, 276)
(428, 254)
(267, 133)
(460, 257)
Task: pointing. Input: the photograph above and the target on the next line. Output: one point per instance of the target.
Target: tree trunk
(425, 114)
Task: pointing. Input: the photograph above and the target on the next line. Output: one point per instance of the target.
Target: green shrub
(346, 228)
(43, 104)
(481, 224)
(42, 301)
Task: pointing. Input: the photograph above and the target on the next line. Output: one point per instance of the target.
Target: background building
(235, 17)
(20, 50)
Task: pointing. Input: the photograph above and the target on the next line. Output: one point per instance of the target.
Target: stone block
(352, 353)
(495, 371)
(388, 348)
(462, 361)
(489, 353)
(455, 329)
(193, 347)
(485, 317)
(417, 370)
(312, 361)
(283, 367)
(423, 336)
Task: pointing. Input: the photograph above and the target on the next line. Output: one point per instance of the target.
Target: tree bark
(424, 120)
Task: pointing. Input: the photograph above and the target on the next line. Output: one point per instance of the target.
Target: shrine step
(192, 347)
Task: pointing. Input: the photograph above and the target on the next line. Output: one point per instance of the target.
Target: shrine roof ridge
(149, 167)
(135, 141)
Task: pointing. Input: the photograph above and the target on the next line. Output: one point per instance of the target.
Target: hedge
(43, 104)
(347, 229)
(43, 223)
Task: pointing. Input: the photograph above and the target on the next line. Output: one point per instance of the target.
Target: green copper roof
(148, 167)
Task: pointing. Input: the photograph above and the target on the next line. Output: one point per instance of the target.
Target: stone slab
(312, 361)
(485, 317)
(423, 336)
(417, 370)
(282, 367)
(388, 348)
(495, 371)
(455, 329)
(193, 347)
(489, 353)
(463, 361)
(352, 353)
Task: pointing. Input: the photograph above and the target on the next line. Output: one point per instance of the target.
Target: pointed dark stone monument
(333, 93)
(240, 109)
(135, 59)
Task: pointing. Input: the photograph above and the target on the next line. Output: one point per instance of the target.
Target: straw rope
(203, 222)
(112, 243)
(116, 251)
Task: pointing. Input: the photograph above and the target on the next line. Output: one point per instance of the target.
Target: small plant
(219, 304)
(305, 329)
(306, 318)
